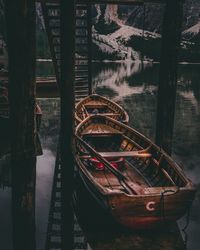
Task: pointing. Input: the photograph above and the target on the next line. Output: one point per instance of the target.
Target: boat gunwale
(123, 111)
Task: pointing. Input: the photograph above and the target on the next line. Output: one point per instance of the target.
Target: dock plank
(156, 240)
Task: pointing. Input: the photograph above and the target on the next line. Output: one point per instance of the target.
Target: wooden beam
(169, 239)
(89, 30)
(67, 10)
(171, 36)
(121, 1)
(125, 154)
(108, 1)
(20, 22)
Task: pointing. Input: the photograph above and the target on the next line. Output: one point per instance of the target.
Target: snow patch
(125, 32)
(114, 42)
(192, 31)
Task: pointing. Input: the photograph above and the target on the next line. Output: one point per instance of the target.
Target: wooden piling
(67, 9)
(20, 22)
(166, 99)
(89, 24)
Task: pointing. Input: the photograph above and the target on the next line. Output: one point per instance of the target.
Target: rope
(185, 240)
(162, 202)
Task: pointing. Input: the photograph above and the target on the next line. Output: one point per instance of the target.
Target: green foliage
(106, 28)
(149, 47)
(98, 54)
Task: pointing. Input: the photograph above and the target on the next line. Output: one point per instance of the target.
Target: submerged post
(67, 9)
(20, 21)
(166, 98)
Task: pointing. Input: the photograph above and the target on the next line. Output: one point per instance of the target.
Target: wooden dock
(46, 87)
(170, 240)
(72, 63)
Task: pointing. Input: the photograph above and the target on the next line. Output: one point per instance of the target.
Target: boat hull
(148, 190)
(150, 211)
(135, 212)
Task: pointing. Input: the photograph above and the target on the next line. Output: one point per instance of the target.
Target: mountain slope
(133, 32)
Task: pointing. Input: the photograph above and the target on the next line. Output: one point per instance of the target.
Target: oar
(107, 164)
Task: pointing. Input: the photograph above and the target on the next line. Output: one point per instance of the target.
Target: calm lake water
(133, 86)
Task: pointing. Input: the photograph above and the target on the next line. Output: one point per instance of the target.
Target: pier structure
(68, 26)
(82, 40)
(21, 43)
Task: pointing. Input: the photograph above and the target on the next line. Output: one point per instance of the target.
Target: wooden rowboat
(136, 182)
(96, 104)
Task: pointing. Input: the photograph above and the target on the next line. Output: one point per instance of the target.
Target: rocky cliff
(134, 32)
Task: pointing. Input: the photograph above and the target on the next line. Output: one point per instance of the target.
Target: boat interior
(98, 109)
(146, 171)
(96, 106)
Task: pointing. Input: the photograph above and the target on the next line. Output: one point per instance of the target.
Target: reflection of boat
(149, 188)
(96, 104)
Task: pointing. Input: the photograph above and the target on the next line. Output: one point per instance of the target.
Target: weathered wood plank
(125, 154)
(20, 22)
(97, 129)
(67, 12)
(108, 1)
(153, 240)
(166, 99)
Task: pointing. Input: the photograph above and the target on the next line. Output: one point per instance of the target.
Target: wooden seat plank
(110, 114)
(98, 129)
(125, 154)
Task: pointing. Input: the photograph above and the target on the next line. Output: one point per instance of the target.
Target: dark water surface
(134, 87)
(45, 165)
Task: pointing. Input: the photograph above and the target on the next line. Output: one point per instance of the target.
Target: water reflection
(45, 165)
(45, 168)
(134, 86)
(6, 220)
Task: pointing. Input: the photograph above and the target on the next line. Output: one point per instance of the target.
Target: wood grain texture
(99, 104)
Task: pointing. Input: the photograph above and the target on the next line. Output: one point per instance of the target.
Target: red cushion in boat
(115, 162)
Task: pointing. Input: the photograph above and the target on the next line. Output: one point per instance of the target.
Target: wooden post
(89, 27)
(166, 98)
(67, 9)
(20, 21)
